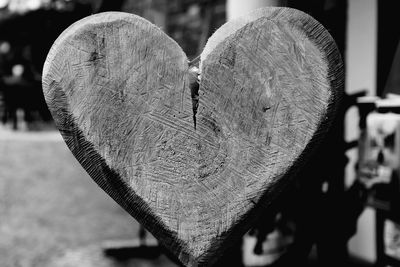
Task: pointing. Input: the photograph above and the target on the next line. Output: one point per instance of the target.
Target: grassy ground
(49, 206)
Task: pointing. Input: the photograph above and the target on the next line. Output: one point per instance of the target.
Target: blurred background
(52, 214)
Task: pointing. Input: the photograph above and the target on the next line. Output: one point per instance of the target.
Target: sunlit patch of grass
(48, 204)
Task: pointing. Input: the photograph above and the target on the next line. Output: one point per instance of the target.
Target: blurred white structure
(237, 8)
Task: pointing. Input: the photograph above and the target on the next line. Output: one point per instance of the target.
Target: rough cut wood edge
(320, 36)
(82, 149)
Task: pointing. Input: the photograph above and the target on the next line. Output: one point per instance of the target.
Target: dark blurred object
(388, 79)
(29, 36)
(26, 94)
(28, 32)
(192, 22)
(188, 22)
(393, 80)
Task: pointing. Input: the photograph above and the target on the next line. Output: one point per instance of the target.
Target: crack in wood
(194, 85)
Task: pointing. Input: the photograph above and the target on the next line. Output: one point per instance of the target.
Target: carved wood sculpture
(119, 91)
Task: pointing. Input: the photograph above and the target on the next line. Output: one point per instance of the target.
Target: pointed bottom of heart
(115, 186)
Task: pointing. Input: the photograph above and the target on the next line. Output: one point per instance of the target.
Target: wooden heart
(118, 89)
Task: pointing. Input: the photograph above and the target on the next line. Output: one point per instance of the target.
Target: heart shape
(118, 89)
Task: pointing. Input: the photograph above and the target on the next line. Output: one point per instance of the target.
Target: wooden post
(237, 8)
(194, 169)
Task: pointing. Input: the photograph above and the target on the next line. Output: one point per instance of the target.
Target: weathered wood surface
(118, 88)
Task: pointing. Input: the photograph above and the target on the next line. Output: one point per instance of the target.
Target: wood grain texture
(118, 89)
